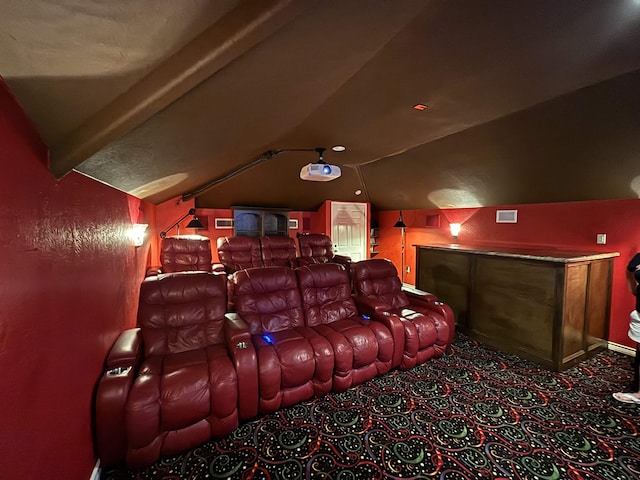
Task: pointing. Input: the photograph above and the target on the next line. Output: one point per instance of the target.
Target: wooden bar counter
(548, 306)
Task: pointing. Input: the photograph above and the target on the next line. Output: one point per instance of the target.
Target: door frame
(365, 237)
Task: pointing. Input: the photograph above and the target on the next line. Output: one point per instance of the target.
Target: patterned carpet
(472, 414)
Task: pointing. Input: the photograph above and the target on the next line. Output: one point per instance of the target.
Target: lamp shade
(399, 223)
(195, 223)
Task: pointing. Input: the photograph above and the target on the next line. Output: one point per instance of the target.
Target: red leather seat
(184, 253)
(192, 373)
(294, 362)
(318, 248)
(278, 250)
(363, 348)
(238, 253)
(429, 324)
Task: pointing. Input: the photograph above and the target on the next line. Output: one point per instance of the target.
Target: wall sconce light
(137, 233)
(194, 223)
(455, 230)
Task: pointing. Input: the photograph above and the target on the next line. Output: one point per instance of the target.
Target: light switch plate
(601, 238)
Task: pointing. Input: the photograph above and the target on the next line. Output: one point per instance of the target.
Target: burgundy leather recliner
(278, 250)
(237, 253)
(318, 248)
(364, 348)
(428, 324)
(185, 374)
(185, 253)
(295, 363)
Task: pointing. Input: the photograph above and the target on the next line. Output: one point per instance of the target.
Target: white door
(349, 229)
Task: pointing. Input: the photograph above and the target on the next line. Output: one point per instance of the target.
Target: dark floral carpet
(472, 414)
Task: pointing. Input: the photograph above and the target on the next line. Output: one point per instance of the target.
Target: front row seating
(363, 348)
(184, 375)
(295, 363)
(428, 324)
(189, 372)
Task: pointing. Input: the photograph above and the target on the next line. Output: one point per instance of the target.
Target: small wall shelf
(374, 234)
(432, 220)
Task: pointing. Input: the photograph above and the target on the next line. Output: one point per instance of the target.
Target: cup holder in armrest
(118, 371)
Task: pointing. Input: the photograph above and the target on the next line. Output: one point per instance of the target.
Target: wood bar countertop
(544, 253)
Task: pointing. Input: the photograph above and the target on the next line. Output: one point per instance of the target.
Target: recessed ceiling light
(419, 106)
(338, 148)
(358, 192)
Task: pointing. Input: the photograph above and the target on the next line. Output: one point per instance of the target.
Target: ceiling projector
(320, 172)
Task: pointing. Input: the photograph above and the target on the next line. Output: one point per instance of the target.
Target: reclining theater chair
(364, 348)
(185, 253)
(183, 376)
(238, 253)
(318, 248)
(428, 324)
(294, 362)
(278, 250)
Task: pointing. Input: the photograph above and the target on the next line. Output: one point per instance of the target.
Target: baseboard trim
(616, 347)
(97, 471)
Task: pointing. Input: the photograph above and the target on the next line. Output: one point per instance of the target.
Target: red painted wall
(570, 225)
(68, 285)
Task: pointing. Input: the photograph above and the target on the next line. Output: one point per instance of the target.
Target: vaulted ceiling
(528, 101)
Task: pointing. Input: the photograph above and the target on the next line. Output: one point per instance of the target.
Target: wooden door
(349, 228)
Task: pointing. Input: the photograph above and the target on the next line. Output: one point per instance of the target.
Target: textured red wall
(570, 225)
(68, 285)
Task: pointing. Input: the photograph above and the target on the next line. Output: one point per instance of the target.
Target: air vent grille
(222, 223)
(507, 216)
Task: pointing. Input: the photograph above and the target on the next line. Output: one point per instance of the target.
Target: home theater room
(320, 239)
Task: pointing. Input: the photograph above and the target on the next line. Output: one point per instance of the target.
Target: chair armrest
(418, 296)
(236, 332)
(243, 355)
(153, 270)
(396, 327)
(302, 261)
(368, 306)
(218, 269)
(342, 259)
(126, 351)
(449, 318)
(121, 366)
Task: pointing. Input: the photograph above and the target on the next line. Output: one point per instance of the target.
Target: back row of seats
(193, 253)
(192, 370)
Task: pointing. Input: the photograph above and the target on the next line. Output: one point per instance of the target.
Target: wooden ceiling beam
(233, 35)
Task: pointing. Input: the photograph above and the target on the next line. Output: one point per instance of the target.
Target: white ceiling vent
(507, 216)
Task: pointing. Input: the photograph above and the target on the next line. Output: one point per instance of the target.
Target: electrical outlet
(408, 269)
(601, 238)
